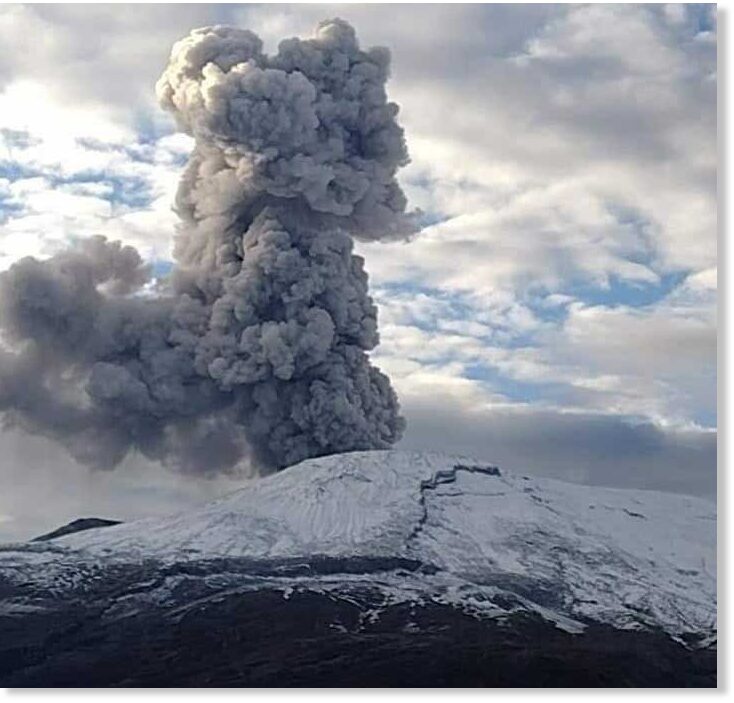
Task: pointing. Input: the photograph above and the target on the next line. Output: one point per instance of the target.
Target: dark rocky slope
(209, 635)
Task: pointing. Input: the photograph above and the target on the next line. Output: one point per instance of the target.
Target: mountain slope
(419, 541)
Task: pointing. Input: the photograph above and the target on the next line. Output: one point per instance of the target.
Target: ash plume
(256, 347)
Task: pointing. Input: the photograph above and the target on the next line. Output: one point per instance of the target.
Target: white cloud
(656, 361)
(65, 170)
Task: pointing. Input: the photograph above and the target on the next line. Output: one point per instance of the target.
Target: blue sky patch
(162, 267)
(621, 292)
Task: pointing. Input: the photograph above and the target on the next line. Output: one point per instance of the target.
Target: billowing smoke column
(256, 347)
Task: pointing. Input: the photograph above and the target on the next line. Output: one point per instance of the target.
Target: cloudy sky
(557, 312)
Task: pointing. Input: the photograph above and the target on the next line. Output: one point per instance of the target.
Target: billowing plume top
(257, 347)
(312, 122)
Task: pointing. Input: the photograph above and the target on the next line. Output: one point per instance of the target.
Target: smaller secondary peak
(78, 525)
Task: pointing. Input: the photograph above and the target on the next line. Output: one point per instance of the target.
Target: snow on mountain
(573, 553)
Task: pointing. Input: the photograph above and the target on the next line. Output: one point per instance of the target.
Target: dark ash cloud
(258, 345)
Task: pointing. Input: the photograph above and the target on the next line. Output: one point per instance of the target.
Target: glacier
(415, 528)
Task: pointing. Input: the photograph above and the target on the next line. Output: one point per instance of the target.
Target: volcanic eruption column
(257, 344)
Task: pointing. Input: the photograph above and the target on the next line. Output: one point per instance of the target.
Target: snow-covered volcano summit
(486, 539)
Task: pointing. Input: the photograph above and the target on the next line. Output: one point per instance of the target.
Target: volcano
(381, 568)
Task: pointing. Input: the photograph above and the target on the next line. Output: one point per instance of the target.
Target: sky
(556, 314)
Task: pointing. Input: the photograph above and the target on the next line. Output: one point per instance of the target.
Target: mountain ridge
(378, 540)
(80, 524)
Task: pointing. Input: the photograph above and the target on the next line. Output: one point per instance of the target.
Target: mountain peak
(434, 560)
(574, 553)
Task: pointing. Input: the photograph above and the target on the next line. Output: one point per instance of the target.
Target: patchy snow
(569, 552)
